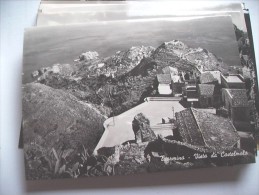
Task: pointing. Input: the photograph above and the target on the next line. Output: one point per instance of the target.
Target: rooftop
(201, 128)
(207, 77)
(216, 74)
(233, 79)
(206, 89)
(164, 78)
(188, 128)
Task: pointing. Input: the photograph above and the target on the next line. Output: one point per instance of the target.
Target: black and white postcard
(136, 96)
(63, 14)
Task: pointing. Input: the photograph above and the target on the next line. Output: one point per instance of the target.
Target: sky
(45, 46)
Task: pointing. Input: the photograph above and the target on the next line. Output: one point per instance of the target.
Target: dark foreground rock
(142, 129)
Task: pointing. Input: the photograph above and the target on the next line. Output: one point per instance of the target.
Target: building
(191, 93)
(208, 78)
(209, 95)
(236, 102)
(233, 81)
(216, 74)
(177, 84)
(247, 142)
(164, 84)
(206, 95)
(203, 129)
(198, 70)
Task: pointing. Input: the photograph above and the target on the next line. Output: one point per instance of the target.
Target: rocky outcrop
(124, 61)
(113, 66)
(35, 74)
(142, 129)
(89, 55)
(177, 54)
(47, 74)
(125, 159)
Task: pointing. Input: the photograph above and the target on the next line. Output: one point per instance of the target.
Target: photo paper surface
(118, 98)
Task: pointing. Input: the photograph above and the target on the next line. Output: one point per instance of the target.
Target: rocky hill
(124, 61)
(54, 120)
(119, 82)
(177, 54)
(116, 65)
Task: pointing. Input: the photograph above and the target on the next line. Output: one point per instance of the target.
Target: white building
(164, 84)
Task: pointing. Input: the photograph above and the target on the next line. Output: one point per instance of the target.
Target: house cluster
(209, 89)
(194, 128)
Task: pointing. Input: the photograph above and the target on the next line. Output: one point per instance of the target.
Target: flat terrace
(119, 129)
(233, 79)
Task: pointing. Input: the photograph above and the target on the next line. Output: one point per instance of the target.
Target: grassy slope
(55, 119)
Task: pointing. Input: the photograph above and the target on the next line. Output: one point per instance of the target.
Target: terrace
(119, 129)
